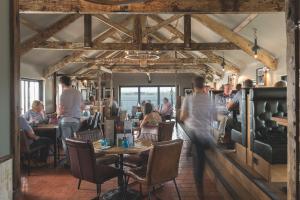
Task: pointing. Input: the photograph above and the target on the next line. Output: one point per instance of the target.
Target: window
(168, 92)
(30, 90)
(131, 96)
(149, 94)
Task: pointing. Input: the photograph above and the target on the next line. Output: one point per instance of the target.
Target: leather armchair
(268, 139)
(84, 166)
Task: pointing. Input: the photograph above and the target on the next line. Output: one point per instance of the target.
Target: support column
(293, 61)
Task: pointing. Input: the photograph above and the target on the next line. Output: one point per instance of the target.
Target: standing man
(166, 109)
(70, 107)
(197, 113)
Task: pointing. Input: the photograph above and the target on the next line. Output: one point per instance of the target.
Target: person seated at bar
(234, 103)
(280, 84)
(206, 89)
(149, 124)
(166, 110)
(222, 99)
(238, 87)
(37, 114)
(34, 140)
(114, 106)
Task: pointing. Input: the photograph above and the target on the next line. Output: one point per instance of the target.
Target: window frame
(41, 92)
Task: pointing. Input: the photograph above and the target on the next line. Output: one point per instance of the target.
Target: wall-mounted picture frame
(283, 78)
(106, 93)
(260, 77)
(188, 91)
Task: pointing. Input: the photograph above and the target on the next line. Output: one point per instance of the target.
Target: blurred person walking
(198, 110)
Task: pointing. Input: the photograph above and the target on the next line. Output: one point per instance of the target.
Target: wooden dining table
(138, 147)
(283, 121)
(49, 131)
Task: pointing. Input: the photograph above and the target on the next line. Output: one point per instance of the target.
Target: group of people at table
(69, 114)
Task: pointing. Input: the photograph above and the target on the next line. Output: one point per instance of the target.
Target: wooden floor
(58, 184)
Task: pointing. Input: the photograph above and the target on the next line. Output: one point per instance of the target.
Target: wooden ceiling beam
(121, 60)
(129, 46)
(187, 31)
(47, 33)
(87, 30)
(98, 39)
(114, 25)
(138, 32)
(161, 24)
(153, 6)
(246, 45)
(229, 66)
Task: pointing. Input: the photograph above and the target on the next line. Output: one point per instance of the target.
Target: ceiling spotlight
(255, 47)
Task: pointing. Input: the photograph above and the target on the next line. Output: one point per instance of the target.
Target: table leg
(55, 152)
(120, 193)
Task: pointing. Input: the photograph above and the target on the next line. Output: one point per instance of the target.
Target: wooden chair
(162, 166)
(26, 152)
(92, 136)
(84, 166)
(165, 131)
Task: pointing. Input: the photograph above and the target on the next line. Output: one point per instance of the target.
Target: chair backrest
(264, 104)
(165, 131)
(149, 133)
(82, 159)
(24, 143)
(89, 135)
(163, 161)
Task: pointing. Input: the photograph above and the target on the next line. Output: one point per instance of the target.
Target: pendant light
(255, 47)
(223, 63)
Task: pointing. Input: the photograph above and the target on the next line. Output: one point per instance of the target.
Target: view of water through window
(132, 96)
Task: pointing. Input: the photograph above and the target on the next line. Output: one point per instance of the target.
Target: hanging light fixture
(223, 63)
(255, 47)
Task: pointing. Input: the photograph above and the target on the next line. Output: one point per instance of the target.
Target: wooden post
(111, 89)
(293, 61)
(187, 31)
(99, 86)
(87, 30)
(54, 94)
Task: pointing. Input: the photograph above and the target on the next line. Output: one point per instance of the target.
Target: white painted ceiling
(271, 36)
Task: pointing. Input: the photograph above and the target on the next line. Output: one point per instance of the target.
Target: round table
(118, 193)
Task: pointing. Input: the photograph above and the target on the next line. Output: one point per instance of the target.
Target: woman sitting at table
(37, 114)
(149, 125)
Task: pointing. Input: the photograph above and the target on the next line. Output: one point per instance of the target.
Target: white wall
(6, 167)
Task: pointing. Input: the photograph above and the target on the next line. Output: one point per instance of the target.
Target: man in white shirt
(70, 107)
(166, 109)
(197, 112)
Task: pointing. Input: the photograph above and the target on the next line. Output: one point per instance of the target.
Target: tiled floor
(58, 184)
